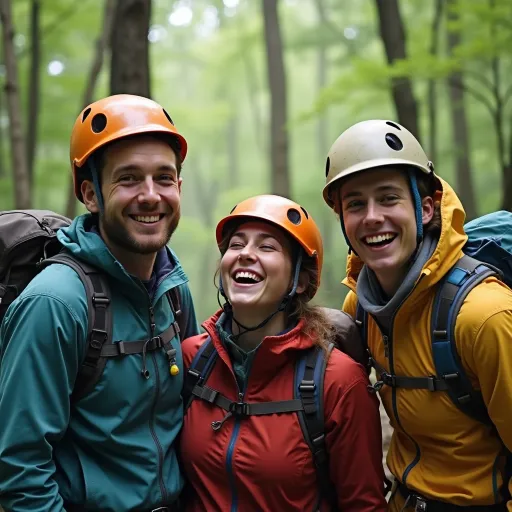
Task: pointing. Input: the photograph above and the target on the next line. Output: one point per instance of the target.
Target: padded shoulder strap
(199, 370)
(173, 296)
(452, 291)
(309, 387)
(99, 322)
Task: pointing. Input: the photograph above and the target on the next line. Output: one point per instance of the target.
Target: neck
(138, 265)
(251, 339)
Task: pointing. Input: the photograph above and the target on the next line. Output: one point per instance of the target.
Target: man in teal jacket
(113, 449)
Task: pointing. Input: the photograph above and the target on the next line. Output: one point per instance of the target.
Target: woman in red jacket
(276, 419)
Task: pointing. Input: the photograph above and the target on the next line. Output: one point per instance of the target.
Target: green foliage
(209, 69)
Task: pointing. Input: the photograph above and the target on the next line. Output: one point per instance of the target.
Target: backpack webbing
(100, 346)
(307, 403)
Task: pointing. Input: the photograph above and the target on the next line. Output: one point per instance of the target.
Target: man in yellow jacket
(404, 226)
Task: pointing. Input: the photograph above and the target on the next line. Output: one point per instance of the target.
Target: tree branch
(507, 95)
(48, 29)
(476, 94)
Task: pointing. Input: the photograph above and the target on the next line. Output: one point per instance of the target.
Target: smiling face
(379, 218)
(141, 192)
(256, 270)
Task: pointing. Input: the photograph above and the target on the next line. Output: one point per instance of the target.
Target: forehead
(374, 180)
(144, 148)
(260, 229)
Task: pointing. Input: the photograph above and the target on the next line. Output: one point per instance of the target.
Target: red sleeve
(353, 436)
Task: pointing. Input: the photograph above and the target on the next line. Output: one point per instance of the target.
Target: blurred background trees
(261, 89)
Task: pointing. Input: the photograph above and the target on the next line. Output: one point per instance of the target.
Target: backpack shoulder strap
(452, 291)
(361, 321)
(99, 322)
(173, 296)
(199, 371)
(309, 387)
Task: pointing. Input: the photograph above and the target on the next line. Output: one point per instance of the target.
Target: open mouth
(380, 240)
(148, 219)
(244, 277)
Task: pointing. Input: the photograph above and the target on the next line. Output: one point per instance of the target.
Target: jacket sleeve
(354, 439)
(492, 357)
(189, 321)
(39, 360)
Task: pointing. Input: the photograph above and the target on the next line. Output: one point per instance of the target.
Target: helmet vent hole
(168, 116)
(98, 123)
(394, 142)
(305, 212)
(394, 125)
(327, 166)
(233, 209)
(86, 113)
(294, 216)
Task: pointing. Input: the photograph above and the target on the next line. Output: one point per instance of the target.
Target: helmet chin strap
(96, 182)
(228, 308)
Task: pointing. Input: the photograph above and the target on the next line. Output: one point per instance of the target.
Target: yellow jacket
(437, 450)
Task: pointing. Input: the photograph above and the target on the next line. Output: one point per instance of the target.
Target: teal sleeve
(41, 340)
(189, 320)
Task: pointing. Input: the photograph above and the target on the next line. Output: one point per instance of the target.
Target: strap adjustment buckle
(239, 409)
(101, 300)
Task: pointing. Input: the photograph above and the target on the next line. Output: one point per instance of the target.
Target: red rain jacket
(263, 463)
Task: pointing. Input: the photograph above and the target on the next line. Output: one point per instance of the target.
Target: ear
(180, 181)
(427, 209)
(89, 196)
(303, 282)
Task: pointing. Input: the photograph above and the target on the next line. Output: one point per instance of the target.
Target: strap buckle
(388, 379)
(239, 409)
(99, 299)
(307, 386)
(98, 338)
(420, 503)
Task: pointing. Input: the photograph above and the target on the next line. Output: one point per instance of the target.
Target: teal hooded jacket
(114, 449)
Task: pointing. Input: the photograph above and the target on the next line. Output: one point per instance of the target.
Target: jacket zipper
(153, 410)
(229, 455)
(388, 348)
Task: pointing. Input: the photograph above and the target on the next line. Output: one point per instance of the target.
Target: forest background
(260, 89)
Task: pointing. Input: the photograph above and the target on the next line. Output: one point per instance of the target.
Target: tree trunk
(3, 172)
(18, 146)
(393, 36)
(464, 180)
(102, 44)
(280, 183)
(432, 106)
(34, 88)
(130, 48)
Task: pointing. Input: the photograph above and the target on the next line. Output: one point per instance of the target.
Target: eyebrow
(135, 168)
(241, 234)
(382, 188)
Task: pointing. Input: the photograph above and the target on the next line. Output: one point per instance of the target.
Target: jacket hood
(449, 246)
(83, 241)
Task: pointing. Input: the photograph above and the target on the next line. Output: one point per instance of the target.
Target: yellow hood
(449, 246)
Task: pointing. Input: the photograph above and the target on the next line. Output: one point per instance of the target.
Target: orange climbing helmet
(113, 118)
(284, 213)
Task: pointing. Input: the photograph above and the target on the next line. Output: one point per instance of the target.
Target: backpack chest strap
(126, 348)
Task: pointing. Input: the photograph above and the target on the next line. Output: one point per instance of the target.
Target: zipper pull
(385, 340)
(152, 324)
(173, 367)
(217, 425)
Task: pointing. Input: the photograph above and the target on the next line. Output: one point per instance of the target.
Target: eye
(126, 178)
(235, 245)
(167, 177)
(390, 198)
(352, 205)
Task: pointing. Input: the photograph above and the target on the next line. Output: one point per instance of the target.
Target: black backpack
(308, 393)
(28, 243)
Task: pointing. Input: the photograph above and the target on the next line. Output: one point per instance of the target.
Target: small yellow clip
(174, 369)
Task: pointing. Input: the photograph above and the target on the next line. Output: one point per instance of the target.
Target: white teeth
(148, 219)
(247, 275)
(378, 238)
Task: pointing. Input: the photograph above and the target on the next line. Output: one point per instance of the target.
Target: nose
(246, 253)
(374, 214)
(148, 193)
